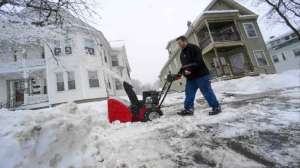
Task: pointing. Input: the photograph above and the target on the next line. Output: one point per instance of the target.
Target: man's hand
(186, 72)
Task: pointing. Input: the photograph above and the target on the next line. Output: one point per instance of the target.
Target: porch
(21, 65)
(229, 62)
(22, 89)
(218, 34)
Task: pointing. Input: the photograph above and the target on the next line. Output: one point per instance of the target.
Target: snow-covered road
(259, 127)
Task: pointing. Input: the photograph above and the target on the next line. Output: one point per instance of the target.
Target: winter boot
(186, 112)
(215, 111)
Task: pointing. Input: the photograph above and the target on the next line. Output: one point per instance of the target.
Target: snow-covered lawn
(259, 127)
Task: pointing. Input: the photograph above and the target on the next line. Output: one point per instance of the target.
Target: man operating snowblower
(197, 77)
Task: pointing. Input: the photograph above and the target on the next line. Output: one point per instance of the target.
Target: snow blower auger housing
(144, 110)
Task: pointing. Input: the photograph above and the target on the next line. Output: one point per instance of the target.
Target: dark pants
(202, 83)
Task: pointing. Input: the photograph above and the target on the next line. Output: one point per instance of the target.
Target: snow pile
(252, 131)
(262, 83)
(44, 138)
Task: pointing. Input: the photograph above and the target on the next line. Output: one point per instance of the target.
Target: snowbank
(262, 83)
(76, 136)
(44, 138)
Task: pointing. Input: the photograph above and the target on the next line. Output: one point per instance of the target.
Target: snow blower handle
(166, 88)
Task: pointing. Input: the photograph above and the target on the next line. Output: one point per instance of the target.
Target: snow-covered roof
(231, 2)
(220, 11)
(282, 35)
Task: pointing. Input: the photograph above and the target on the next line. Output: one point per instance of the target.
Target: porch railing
(35, 99)
(204, 42)
(3, 105)
(218, 37)
(15, 66)
(32, 99)
(222, 37)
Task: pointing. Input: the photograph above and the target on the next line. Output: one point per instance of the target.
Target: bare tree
(49, 11)
(284, 11)
(27, 22)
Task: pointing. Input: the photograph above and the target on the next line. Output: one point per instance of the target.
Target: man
(197, 77)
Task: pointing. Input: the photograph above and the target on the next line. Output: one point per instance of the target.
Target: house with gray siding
(231, 42)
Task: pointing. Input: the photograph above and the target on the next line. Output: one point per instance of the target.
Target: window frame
(68, 49)
(90, 46)
(245, 29)
(115, 61)
(118, 84)
(277, 58)
(264, 54)
(57, 82)
(283, 56)
(57, 48)
(297, 51)
(89, 79)
(74, 80)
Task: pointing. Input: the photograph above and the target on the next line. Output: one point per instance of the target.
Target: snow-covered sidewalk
(260, 127)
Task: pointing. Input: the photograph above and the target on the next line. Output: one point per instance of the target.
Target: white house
(78, 66)
(121, 67)
(285, 51)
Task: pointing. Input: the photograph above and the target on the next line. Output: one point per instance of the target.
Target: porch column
(215, 50)
(209, 32)
(26, 87)
(219, 61)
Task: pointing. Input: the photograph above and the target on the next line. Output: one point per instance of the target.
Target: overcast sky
(146, 26)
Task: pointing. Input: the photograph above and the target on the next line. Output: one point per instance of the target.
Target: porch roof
(20, 66)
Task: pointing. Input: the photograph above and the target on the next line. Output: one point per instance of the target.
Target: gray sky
(147, 25)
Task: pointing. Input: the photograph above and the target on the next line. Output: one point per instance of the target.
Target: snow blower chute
(144, 110)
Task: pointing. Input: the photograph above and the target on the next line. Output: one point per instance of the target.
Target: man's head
(182, 42)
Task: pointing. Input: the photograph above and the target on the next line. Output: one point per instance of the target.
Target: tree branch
(286, 20)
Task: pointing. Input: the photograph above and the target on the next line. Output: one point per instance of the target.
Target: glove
(173, 77)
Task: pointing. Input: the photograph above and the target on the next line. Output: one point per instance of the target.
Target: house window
(15, 56)
(89, 46)
(260, 58)
(68, 46)
(105, 58)
(275, 58)
(286, 37)
(43, 54)
(57, 48)
(109, 85)
(250, 30)
(71, 80)
(60, 81)
(297, 52)
(283, 57)
(93, 79)
(114, 60)
(119, 85)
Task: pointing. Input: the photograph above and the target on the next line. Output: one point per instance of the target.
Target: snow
(260, 114)
(262, 83)
(220, 11)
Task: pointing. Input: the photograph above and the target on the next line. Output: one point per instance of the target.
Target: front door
(16, 92)
(237, 62)
(19, 90)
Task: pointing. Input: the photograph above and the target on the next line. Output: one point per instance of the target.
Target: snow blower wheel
(152, 115)
(147, 109)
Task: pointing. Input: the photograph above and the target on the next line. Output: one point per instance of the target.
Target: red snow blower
(144, 110)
